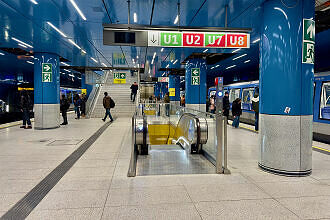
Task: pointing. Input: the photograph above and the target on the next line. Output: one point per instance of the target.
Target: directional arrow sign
(47, 67)
(46, 72)
(308, 41)
(153, 38)
(309, 30)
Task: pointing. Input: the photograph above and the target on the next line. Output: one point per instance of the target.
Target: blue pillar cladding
(174, 83)
(196, 94)
(46, 90)
(286, 89)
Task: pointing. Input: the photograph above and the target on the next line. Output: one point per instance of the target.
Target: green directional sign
(195, 76)
(308, 41)
(47, 72)
(168, 39)
(119, 78)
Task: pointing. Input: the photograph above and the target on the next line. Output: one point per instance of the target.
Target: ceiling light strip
(78, 10)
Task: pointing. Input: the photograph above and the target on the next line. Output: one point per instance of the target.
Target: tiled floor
(97, 186)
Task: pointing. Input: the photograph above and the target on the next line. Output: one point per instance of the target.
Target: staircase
(120, 93)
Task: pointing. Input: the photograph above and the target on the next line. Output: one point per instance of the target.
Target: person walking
(107, 104)
(212, 104)
(236, 111)
(226, 105)
(167, 104)
(77, 104)
(255, 108)
(183, 101)
(26, 107)
(64, 106)
(134, 89)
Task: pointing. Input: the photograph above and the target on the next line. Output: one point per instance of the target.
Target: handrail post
(219, 139)
(225, 150)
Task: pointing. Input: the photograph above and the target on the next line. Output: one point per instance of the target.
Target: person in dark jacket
(26, 107)
(134, 89)
(107, 106)
(255, 108)
(64, 106)
(83, 105)
(236, 111)
(226, 105)
(77, 105)
(167, 102)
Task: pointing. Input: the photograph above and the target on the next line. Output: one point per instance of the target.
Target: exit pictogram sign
(46, 72)
(119, 78)
(308, 46)
(195, 76)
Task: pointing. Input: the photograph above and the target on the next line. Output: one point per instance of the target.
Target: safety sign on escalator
(308, 41)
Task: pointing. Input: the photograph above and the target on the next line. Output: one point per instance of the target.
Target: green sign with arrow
(308, 41)
(47, 72)
(195, 76)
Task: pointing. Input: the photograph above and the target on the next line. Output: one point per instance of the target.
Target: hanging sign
(119, 78)
(198, 39)
(308, 41)
(46, 72)
(195, 76)
(163, 79)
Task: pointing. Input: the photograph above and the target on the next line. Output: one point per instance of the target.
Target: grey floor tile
(261, 176)
(95, 163)
(67, 184)
(17, 186)
(295, 189)
(36, 174)
(309, 207)
(321, 174)
(181, 211)
(78, 172)
(244, 209)
(218, 192)
(73, 199)
(81, 214)
(99, 156)
(210, 179)
(8, 200)
(147, 195)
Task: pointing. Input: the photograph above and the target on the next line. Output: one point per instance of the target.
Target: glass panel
(247, 98)
(325, 101)
(234, 94)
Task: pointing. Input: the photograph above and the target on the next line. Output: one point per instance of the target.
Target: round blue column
(196, 94)
(46, 90)
(286, 89)
(174, 83)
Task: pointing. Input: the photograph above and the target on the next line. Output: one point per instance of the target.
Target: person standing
(107, 104)
(77, 104)
(212, 104)
(26, 107)
(183, 101)
(64, 106)
(167, 104)
(226, 105)
(134, 89)
(236, 111)
(83, 105)
(255, 108)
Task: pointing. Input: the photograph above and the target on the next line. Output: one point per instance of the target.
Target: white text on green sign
(198, 39)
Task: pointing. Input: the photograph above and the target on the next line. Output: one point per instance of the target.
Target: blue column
(196, 94)
(46, 92)
(157, 89)
(286, 89)
(174, 83)
(88, 87)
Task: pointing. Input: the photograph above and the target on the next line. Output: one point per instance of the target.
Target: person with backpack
(107, 104)
(236, 111)
(255, 108)
(64, 106)
(26, 107)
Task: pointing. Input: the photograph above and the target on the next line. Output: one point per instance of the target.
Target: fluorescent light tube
(162, 50)
(76, 45)
(247, 61)
(135, 17)
(243, 55)
(175, 61)
(176, 19)
(78, 10)
(22, 45)
(235, 51)
(94, 60)
(256, 40)
(103, 64)
(34, 2)
(29, 62)
(205, 50)
(56, 29)
(19, 41)
(2, 54)
(65, 64)
(229, 67)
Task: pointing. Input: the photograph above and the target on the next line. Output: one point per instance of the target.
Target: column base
(286, 144)
(175, 102)
(198, 107)
(46, 116)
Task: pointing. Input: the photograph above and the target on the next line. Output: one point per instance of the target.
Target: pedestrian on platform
(77, 105)
(134, 89)
(83, 105)
(212, 104)
(226, 105)
(255, 108)
(167, 104)
(26, 107)
(236, 111)
(183, 101)
(64, 106)
(107, 104)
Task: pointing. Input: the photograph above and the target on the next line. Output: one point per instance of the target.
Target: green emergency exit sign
(47, 72)
(308, 41)
(195, 76)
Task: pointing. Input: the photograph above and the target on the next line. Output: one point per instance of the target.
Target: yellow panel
(171, 91)
(149, 112)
